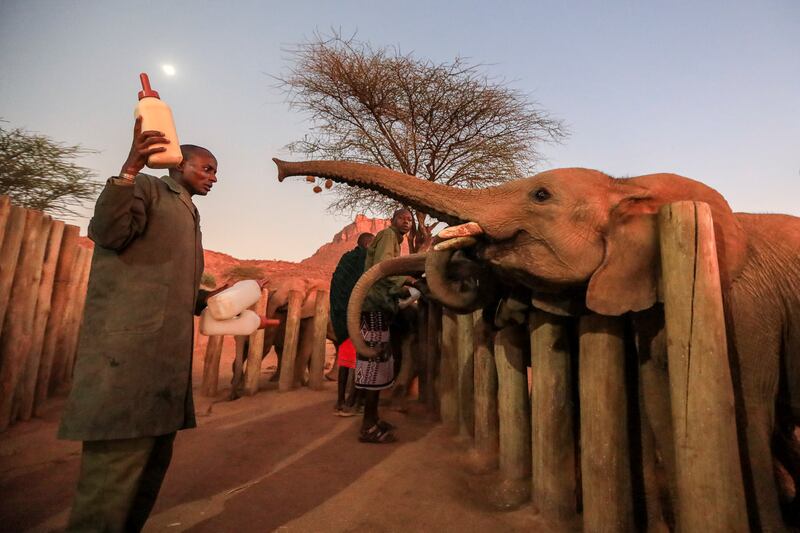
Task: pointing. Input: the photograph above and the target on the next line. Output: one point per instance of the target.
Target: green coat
(133, 372)
(384, 293)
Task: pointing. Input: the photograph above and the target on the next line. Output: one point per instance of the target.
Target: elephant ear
(627, 279)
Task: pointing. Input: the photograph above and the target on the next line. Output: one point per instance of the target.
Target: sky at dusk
(708, 90)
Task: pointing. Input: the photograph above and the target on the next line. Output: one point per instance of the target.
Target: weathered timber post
(421, 350)
(515, 418)
(5, 210)
(9, 256)
(28, 358)
(255, 350)
(53, 332)
(605, 451)
(552, 414)
(405, 375)
(286, 378)
(466, 376)
(15, 343)
(63, 340)
(433, 353)
(317, 367)
(448, 371)
(708, 471)
(240, 345)
(76, 313)
(487, 429)
(210, 383)
(41, 315)
(5, 213)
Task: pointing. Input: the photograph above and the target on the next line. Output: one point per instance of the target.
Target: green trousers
(119, 483)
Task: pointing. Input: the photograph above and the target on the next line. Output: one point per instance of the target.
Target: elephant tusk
(463, 230)
(455, 244)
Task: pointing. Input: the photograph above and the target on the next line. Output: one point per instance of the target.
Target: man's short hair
(401, 210)
(189, 150)
(364, 239)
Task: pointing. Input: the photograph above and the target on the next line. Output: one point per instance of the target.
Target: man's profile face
(199, 172)
(402, 221)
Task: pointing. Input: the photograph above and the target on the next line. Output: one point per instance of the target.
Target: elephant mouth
(471, 242)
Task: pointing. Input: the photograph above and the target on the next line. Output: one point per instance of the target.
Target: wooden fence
(43, 279)
(293, 361)
(571, 452)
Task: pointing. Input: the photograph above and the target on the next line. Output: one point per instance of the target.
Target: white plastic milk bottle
(245, 324)
(157, 116)
(233, 300)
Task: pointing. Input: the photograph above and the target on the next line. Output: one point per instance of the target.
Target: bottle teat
(146, 91)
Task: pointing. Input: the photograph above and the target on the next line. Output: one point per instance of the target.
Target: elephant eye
(541, 194)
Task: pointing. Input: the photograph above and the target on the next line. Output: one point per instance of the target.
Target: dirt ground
(273, 461)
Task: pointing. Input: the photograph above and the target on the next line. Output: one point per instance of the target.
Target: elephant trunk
(448, 204)
(409, 264)
(460, 285)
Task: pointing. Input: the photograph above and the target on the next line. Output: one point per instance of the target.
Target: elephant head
(559, 232)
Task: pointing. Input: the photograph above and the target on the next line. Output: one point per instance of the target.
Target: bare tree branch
(442, 122)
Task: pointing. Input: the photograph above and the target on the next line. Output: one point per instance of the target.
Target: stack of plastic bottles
(227, 312)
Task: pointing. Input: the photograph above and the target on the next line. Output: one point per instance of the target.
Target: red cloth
(347, 354)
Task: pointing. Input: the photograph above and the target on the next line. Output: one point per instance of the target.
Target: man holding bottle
(132, 386)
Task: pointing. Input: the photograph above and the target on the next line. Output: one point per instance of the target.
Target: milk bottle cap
(146, 91)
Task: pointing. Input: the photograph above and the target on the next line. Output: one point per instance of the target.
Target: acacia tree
(442, 122)
(39, 173)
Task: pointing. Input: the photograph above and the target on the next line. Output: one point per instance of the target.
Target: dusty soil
(273, 461)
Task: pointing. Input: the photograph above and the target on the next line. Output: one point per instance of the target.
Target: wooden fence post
(5, 211)
(708, 468)
(63, 340)
(256, 349)
(9, 256)
(487, 430)
(286, 378)
(466, 376)
(210, 384)
(605, 451)
(75, 316)
(317, 367)
(421, 351)
(552, 415)
(432, 355)
(55, 322)
(515, 418)
(15, 342)
(41, 315)
(448, 371)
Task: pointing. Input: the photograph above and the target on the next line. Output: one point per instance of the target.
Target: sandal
(376, 435)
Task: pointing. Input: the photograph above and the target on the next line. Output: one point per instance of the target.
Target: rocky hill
(320, 265)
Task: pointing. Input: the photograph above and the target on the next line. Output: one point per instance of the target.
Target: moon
(169, 70)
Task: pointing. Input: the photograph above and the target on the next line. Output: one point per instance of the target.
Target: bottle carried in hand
(157, 116)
